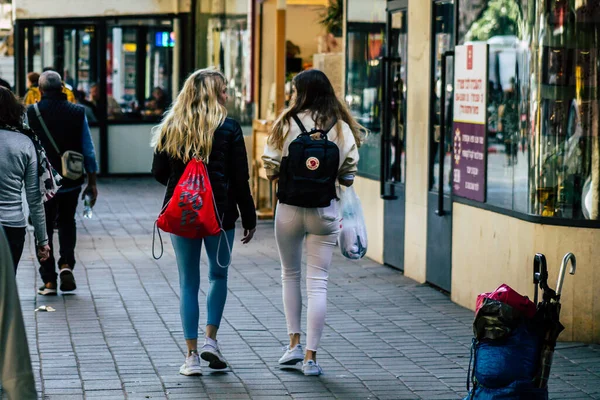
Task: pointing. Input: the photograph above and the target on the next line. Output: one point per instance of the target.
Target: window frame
(372, 176)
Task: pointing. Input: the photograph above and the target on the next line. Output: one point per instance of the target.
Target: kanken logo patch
(312, 163)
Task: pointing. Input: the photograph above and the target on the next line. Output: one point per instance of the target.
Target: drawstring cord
(154, 230)
(154, 240)
(222, 233)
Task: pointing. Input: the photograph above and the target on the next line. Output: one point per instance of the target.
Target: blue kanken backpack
(308, 173)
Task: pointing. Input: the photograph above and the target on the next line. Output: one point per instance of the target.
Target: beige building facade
(542, 161)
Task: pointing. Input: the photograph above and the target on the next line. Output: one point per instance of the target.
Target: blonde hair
(188, 127)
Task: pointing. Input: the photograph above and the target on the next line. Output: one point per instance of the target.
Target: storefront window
(229, 48)
(365, 39)
(543, 99)
(139, 74)
(224, 42)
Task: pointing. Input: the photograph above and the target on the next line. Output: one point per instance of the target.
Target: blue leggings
(187, 252)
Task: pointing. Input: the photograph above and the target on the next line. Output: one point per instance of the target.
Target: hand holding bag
(353, 235)
(71, 161)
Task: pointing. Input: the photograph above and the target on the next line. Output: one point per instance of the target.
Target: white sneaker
(211, 353)
(191, 366)
(311, 368)
(292, 356)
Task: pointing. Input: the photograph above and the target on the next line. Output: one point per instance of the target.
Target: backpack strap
(302, 128)
(324, 132)
(335, 121)
(45, 128)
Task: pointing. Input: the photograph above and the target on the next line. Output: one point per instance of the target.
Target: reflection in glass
(139, 73)
(397, 79)
(543, 116)
(443, 31)
(229, 49)
(121, 96)
(364, 49)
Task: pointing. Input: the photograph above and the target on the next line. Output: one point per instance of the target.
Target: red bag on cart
(191, 211)
(507, 295)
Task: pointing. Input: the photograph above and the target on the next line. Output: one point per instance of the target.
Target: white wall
(129, 149)
(88, 8)
(373, 209)
(5, 17)
(366, 10)
(303, 29)
(230, 7)
(7, 68)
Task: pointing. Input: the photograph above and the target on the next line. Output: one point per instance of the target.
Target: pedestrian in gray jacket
(19, 166)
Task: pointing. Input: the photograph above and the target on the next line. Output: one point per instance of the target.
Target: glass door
(439, 219)
(393, 155)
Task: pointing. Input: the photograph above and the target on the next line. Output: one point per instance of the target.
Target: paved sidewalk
(120, 335)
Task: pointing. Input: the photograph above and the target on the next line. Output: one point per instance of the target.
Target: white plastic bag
(353, 236)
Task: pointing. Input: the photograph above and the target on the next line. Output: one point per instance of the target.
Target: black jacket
(65, 122)
(228, 173)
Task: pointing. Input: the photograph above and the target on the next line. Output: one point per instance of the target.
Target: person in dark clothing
(90, 108)
(158, 103)
(5, 84)
(197, 127)
(68, 127)
(16, 372)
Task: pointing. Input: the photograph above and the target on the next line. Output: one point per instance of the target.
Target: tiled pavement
(120, 335)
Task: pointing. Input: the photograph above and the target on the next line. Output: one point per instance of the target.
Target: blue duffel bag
(503, 369)
(498, 363)
(520, 390)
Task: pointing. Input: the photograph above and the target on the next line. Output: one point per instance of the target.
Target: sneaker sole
(191, 373)
(292, 361)
(213, 361)
(67, 282)
(312, 373)
(47, 292)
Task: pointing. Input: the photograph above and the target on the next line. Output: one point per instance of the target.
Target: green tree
(500, 18)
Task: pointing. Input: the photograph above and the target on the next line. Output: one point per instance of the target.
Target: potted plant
(332, 18)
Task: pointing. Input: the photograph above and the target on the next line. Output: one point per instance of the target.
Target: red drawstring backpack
(191, 212)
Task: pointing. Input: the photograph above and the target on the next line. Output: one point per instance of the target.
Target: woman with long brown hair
(19, 166)
(196, 127)
(308, 204)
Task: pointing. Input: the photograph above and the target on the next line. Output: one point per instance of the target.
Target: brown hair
(315, 94)
(11, 109)
(33, 78)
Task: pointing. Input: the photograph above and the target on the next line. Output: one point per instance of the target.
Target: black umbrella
(547, 318)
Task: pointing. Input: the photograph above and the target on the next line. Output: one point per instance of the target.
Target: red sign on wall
(469, 57)
(470, 121)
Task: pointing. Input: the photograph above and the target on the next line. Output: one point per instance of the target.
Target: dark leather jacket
(228, 173)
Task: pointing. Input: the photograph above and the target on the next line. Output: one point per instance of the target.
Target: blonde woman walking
(313, 145)
(196, 126)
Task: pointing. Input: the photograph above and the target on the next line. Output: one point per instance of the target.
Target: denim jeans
(187, 252)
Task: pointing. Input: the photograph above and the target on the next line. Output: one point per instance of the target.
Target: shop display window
(229, 50)
(139, 70)
(543, 108)
(364, 42)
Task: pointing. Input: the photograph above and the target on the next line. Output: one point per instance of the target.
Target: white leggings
(320, 226)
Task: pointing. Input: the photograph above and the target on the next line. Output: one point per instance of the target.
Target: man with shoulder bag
(63, 129)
